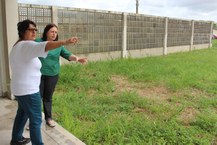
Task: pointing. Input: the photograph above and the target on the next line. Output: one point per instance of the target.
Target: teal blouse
(51, 64)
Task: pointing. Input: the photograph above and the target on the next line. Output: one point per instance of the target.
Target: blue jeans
(29, 106)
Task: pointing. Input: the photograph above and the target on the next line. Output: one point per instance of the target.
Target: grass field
(155, 100)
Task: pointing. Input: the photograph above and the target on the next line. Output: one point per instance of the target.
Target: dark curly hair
(46, 29)
(22, 26)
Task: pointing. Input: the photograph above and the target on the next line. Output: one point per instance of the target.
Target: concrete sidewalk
(51, 136)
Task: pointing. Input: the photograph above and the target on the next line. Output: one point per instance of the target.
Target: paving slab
(51, 136)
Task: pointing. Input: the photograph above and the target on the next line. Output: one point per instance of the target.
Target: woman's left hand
(82, 60)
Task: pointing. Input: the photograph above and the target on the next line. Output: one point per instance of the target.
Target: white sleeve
(34, 49)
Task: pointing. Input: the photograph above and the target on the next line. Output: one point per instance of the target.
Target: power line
(137, 6)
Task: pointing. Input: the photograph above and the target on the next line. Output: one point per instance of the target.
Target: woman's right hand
(72, 40)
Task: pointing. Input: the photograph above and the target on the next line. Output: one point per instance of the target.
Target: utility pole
(137, 6)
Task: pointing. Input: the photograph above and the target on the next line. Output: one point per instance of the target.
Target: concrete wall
(8, 25)
(1, 50)
(145, 52)
(139, 53)
(108, 31)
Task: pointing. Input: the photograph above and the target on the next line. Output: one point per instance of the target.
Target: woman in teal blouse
(50, 69)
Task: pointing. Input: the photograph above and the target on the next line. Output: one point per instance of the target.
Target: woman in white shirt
(25, 68)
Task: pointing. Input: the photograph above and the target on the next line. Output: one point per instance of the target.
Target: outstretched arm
(55, 44)
(82, 60)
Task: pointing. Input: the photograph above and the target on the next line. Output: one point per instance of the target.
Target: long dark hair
(46, 29)
(22, 26)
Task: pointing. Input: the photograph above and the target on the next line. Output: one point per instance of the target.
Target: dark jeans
(47, 87)
(29, 106)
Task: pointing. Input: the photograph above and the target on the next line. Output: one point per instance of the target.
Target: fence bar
(54, 16)
(165, 36)
(192, 35)
(211, 32)
(124, 37)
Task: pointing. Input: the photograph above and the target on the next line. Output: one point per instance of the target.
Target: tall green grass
(156, 100)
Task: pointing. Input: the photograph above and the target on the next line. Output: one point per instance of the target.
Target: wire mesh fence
(102, 31)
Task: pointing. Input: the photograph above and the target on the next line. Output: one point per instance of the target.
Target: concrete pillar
(8, 27)
(54, 18)
(211, 33)
(165, 36)
(192, 35)
(2, 83)
(124, 37)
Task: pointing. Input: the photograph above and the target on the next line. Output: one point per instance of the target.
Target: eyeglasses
(32, 29)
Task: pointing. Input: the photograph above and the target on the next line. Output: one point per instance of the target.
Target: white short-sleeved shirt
(25, 67)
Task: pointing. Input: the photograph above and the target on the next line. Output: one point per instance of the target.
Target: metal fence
(102, 31)
(201, 32)
(179, 32)
(144, 32)
(99, 32)
(40, 15)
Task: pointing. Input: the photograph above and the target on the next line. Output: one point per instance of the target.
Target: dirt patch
(122, 84)
(188, 115)
(154, 92)
(159, 94)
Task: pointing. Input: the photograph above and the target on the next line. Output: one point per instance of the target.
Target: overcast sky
(184, 9)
